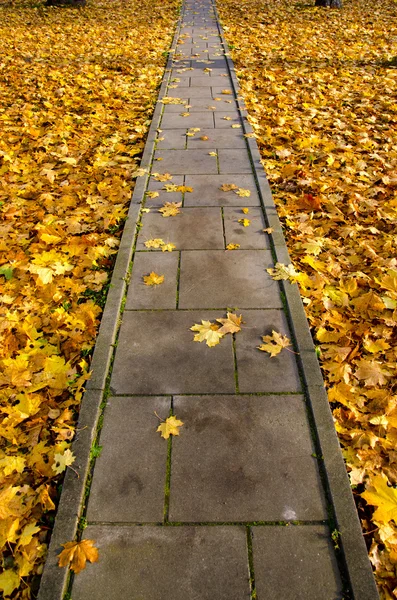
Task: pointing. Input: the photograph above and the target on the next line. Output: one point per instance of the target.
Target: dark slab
(177, 121)
(129, 475)
(251, 237)
(244, 458)
(166, 563)
(156, 354)
(233, 161)
(295, 563)
(192, 229)
(163, 295)
(212, 279)
(181, 162)
(206, 190)
(257, 370)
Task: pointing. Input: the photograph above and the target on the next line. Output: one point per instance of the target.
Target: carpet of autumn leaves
(320, 88)
(77, 90)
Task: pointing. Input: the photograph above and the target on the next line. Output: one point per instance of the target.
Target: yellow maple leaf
(245, 222)
(168, 247)
(227, 187)
(169, 427)
(274, 343)
(152, 194)
(371, 372)
(226, 92)
(232, 246)
(184, 114)
(162, 177)
(153, 279)
(76, 554)
(154, 243)
(236, 126)
(227, 118)
(170, 209)
(9, 581)
(184, 188)
(232, 323)
(61, 461)
(384, 497)
(207, 332)
(212, 153)
(281, 271)
(170, 187)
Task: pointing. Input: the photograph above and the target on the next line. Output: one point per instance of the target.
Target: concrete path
(251, 500)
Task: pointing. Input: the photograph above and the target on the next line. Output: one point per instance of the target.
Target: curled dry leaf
(274, 343)
(169, 427)
(232, 323)
(76, 554)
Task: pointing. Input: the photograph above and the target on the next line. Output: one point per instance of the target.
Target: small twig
(372, 531)
(159, 418)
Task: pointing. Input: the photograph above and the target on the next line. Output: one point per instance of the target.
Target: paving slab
(166, 563)
(217, 139)
(258, 371)
(251, 237)
(234, 161)
(305, 553)
(206, 190)
(232, 463)
(185, 162)
(156, 354)
(129, 475)
(141, 295)
(164, 196)
(171, 139)
(192, 229)
(178, 121)
(216, 279)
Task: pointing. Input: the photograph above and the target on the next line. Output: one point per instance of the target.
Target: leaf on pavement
(76, 554)
(153, 279)
(281, 271)
(207, 332)
(169, 427)
(232, 324)
(170, 209)
(274, 343)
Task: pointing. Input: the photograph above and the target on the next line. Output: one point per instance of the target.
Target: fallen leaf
(76, 554)
(232, 324)
(169, 427)
(236, 126)
(268, 230)
(372, 373)
(162, 177)
(226, 92)
(212, 153)
(232, 246)
(228, 187)
(204, 138)
(243, 193)
(152, 194)
(184, 189)
(382, 496)
(153, 279)
(168, 247)
(281, 271)
(154, 243)
(245, 222)
(274, 343)
(61, 461)
(170, 209)
(245, 210)
(207, 332)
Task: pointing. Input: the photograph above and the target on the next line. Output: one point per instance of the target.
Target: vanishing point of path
(251, 500)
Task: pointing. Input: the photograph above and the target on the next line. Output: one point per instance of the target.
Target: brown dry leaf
(372, 373)
(228, 187)
(76, 554)
(207, 332)
(274, 343)
(153, 279)
(232, 324)
(169, 427)
(170, 209)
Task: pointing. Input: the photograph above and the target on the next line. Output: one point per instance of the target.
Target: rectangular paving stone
(157, 186)
(129, 474)
(153, 296)
(251, 237)
(197, 92)
(218, 138)
(224, 85)
(244, 458)
(206, 190)
(156, 354)
(166, 563)
(192, 229)
(182, 81)
(216, 80)
(257, 370)
(171, 138)
(216, 279)
(233, 161)
(184, 162)
(176, 108)
(176, 121)
(226, 117)
(305, 553)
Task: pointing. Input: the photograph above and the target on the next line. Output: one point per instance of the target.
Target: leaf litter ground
(77, 91)
(320, 87)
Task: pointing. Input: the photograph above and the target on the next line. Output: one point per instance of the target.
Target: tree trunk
(65, 2)
(329, 3)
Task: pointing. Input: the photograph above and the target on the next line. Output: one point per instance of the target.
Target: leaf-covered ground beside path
(320, 88)
(77, 90)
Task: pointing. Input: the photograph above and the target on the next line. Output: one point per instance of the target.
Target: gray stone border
(355, 554)
(54, 581)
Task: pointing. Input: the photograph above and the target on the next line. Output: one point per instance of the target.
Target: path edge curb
(355, 554)
(54, 580)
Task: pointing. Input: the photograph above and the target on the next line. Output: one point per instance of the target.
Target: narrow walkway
(234, 507)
